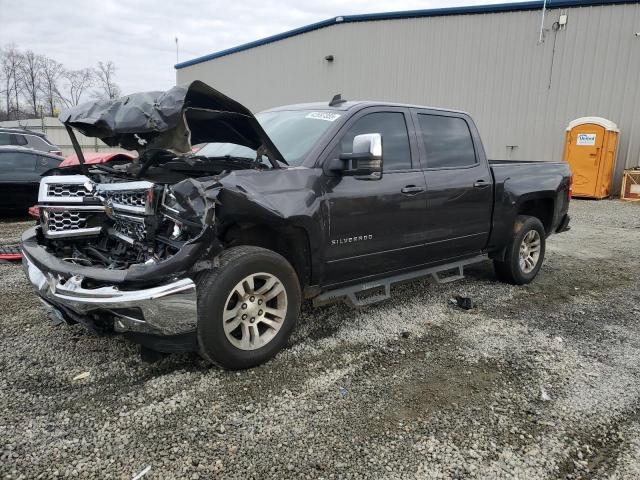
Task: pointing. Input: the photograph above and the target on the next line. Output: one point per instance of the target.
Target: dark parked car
(214, 251)
(20, 137)
(20, 173)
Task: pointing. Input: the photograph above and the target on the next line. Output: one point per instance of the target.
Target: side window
(5, 139)
(396, 152)
(447, 141)
(38, 143)
(18, 161)
(19, 140)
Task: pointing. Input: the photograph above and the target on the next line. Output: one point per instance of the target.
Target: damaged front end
(118, 246)
(117, 225)
(122, 256)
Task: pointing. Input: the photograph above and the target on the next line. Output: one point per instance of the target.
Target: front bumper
(169, 309)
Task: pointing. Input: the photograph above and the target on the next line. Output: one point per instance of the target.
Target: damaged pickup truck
(214, 251)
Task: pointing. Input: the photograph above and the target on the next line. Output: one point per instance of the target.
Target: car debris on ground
(464, 303)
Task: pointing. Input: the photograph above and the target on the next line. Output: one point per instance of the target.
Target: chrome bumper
(169, 309)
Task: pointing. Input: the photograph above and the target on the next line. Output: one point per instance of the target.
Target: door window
(447, 141)
(396, 152)
(5, 139)
(18, 140)
(38, 143)
(18, 161)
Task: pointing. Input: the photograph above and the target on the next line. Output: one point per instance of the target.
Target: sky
(139, 35)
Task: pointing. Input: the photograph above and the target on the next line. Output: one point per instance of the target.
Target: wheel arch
(289, 241)
(538, 205)
(541, 207)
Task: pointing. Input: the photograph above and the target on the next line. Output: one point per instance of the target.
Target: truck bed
(538, 185)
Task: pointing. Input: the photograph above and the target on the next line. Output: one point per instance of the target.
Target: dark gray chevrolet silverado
(214, 251)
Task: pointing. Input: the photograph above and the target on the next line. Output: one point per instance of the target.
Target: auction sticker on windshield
(328, 116)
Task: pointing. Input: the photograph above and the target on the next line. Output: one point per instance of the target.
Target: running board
(438, 274)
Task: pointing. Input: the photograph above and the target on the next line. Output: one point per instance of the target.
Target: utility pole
(177, 57)
(41, 111)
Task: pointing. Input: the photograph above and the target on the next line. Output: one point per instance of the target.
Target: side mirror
(365, 159)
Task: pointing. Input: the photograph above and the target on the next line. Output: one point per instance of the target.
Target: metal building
(522, 83)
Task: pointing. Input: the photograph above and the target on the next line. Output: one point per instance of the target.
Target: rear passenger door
(375, 225)
(459, 184)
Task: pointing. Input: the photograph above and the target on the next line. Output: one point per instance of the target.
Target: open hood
(173, 120)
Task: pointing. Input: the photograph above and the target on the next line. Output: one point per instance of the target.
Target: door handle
(412, 190)
(481, 184)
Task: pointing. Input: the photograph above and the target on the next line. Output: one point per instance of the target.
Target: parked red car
(97, 157)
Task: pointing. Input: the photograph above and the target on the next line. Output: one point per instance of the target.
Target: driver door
(375, 225)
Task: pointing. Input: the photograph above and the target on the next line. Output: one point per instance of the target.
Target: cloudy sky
(138, 35)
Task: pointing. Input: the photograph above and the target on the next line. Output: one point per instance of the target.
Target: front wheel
(247, 307)
(525, 252)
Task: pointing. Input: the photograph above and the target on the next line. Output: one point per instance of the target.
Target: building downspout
(544, 9)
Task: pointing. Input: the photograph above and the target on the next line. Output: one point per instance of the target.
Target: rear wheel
(247, 307)
(525, 252)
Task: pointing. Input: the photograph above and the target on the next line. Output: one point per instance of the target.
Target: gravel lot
(541, 381)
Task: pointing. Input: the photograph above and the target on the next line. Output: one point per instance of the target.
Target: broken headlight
(178, 222)
(170, 202)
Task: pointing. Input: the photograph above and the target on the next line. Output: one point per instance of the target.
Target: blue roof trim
(435, 12)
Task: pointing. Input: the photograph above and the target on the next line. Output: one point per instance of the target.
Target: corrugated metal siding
(520, 93)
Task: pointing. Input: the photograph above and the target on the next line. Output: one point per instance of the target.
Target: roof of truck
(352, 104)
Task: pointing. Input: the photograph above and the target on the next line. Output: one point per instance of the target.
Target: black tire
(510, 270)
(216, 285)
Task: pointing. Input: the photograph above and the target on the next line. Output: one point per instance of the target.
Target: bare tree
(10, 64)
(44, 83)
(5, 81)
(104, 76)
(52, 72)
(31, 78)
(75, 84)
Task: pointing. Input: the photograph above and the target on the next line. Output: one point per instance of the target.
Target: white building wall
(521, 93)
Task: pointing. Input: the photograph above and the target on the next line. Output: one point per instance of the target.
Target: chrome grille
(59, 189)
(131, 228)
(129, 199)
(68, 202)
(61, 221)
(72, 221)
(68, 190)
(135, 202)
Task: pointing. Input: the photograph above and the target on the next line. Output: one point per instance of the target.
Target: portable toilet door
(590, 150)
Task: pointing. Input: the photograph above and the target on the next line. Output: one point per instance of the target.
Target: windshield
(293, 132)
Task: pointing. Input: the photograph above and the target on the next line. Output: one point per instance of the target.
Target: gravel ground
(541, 381)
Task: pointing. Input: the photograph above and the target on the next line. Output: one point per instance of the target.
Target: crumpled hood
(173, 120)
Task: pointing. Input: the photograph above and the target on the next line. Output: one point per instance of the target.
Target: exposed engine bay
(111, 218)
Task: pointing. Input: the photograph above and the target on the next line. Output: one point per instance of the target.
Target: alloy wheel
(255, 311)
(530, 251)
